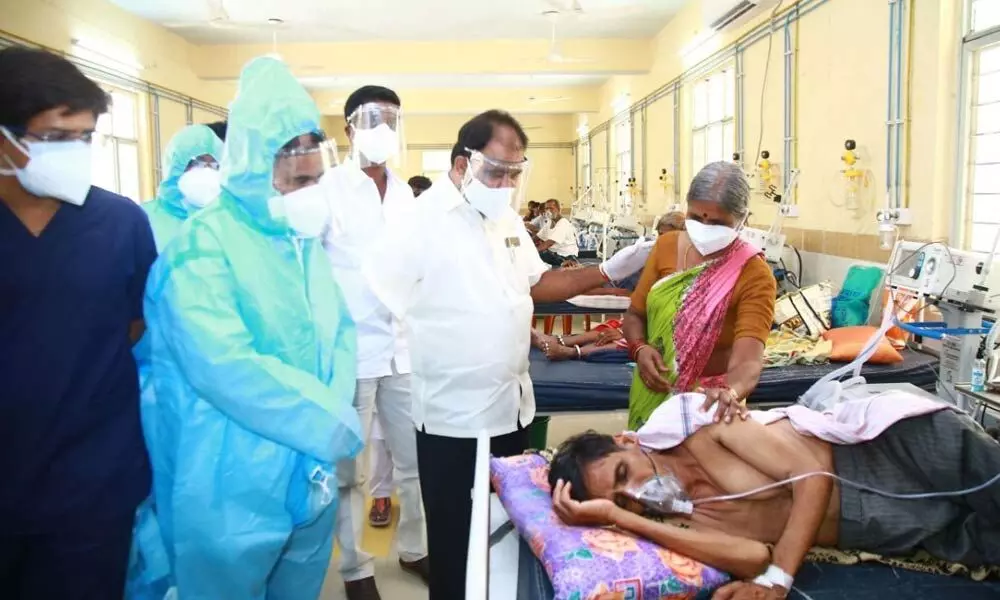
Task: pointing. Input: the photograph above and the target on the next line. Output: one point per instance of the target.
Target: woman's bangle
(579, 354)
(635, 348)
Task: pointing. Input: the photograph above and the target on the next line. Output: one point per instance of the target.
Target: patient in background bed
(895, 442)
(604, 339)
(607, 337)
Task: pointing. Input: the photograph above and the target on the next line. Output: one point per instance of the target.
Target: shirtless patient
(942, 450)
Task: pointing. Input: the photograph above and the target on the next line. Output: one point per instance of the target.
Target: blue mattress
(565, 308)
(817, 582)
(571, 385)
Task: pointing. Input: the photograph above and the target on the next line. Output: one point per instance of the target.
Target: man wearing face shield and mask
(460, 270)
(253, 362)
(365, 195)
(190, 180)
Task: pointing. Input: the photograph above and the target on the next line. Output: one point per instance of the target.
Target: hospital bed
(575, 386)
(501, 565)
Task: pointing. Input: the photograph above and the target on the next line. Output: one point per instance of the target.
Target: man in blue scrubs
(73, 266)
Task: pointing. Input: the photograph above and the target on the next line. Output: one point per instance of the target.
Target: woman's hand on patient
(727, 403)
(746, 590)
(599, 512)
(651, 369)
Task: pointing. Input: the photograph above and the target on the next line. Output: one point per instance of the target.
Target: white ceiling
(453, 80)
(404, 20)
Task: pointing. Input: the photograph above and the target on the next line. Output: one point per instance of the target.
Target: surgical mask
(200, 186)
(662, 494)
(60, 170)
(709, 239)
(491, 202)
(306, 211)
(377, 145)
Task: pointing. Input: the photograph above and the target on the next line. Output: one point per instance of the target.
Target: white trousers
(391, 396)
(380, 462)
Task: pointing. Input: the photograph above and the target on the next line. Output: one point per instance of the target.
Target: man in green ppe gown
(190, 181)
(253, 364)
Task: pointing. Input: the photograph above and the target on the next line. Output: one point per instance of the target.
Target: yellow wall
(551, 155)
(167, 57)
(840, 73)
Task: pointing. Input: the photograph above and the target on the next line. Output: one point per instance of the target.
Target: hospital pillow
(584, 562)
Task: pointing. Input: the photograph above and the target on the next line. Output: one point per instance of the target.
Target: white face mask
(200, 186)
(377, 145)
(306, 210)
(60, 170)
(709, 239)
(491, 202)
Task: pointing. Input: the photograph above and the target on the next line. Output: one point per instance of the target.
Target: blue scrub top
(71, 444)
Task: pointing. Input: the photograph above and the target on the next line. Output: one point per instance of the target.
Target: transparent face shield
(491, 185)
(299, 200)
(303, 161)
(376, 131)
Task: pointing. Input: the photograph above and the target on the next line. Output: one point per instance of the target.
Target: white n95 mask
(200, 186)
(709, 239)
(377, 145)
(306, 211)
(60, 170)
(491, 202)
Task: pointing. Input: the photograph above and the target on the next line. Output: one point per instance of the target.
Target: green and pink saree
(684, 316)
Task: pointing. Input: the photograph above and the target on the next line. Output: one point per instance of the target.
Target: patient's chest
(718, 472)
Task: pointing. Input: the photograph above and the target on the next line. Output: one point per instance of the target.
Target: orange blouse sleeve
(658, 261)
(755, 297)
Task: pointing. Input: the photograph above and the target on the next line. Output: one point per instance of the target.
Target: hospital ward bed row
(575, 386)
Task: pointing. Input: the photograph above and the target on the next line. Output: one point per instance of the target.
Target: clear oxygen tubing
(848, 482)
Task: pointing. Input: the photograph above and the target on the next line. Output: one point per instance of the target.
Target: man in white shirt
(463, 273)
(365, 196)
(558, 237)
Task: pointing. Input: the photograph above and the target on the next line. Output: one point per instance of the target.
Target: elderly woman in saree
(703, 307)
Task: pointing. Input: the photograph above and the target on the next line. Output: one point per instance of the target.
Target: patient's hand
(745, 590)
(598, 512)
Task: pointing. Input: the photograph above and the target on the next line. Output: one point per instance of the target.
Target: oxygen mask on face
(661, 494)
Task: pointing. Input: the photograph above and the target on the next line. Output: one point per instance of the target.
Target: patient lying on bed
(604, 339)
(896, 442)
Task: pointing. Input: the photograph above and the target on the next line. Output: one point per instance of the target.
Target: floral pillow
(586, 562)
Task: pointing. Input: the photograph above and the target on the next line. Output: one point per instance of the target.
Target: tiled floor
(393, 583)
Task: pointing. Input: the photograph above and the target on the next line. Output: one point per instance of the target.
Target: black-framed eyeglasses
(53, 135)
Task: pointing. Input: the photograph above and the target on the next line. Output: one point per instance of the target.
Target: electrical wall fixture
(856, 180)
(768, 177)
(889, 221)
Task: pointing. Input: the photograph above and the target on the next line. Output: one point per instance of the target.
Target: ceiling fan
(574, 8)
(218, 18)
(537, 100)
(555, 54)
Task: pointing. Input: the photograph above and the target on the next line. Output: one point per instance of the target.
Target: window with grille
(713, 136)
(433, 163)
(982, 174)
(116, 147)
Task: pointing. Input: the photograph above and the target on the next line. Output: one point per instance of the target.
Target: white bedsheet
(608, 303)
